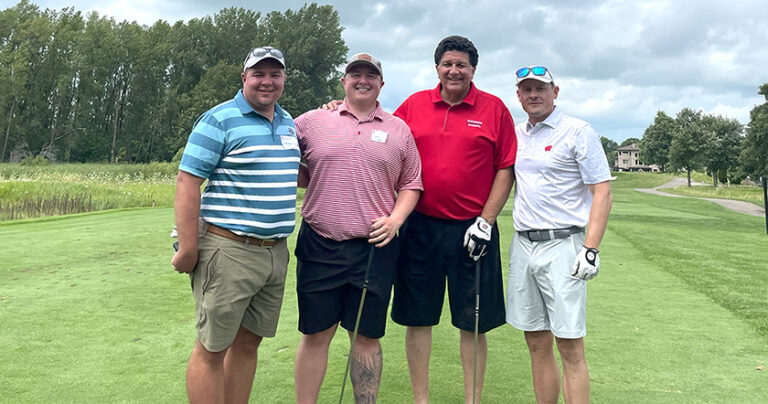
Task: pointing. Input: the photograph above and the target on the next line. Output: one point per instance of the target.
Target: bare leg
(240, 366)
(311, 363)
(418, 346)
(575, 371)
(205, 376)
(365, 369)
(546, 376)
(467, 348)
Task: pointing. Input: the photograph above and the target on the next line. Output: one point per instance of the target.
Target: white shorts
(541, 293)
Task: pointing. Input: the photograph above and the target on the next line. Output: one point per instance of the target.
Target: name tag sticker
(379, 136)
(289, 142)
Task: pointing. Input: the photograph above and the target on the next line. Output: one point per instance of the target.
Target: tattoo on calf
(365, 372)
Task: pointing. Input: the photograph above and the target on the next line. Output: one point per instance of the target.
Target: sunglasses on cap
(536, 70)
(259, 52)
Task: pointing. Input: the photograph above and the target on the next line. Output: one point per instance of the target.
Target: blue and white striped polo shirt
(251, 165)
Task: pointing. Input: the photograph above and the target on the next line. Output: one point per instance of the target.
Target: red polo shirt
(461, 148)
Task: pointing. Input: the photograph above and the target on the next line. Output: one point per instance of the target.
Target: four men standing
(363, 179)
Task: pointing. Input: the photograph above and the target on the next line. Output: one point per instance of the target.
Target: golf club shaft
(357, 320)
(477, 323)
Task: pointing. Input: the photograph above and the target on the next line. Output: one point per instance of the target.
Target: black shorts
(432, 250)
(329, 283)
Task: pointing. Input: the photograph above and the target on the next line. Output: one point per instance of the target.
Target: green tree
(609, 147)
(311, 40)
(89, 88)
(14, 70)
(723, 151)
(689, 142)
(754, 154)
(630, 140)
(657, 138)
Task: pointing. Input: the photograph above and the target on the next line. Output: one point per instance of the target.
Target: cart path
(736, 206)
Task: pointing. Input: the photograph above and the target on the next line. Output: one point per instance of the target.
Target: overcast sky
(616, 62)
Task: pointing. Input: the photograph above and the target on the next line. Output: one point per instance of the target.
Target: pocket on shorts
(210, 271)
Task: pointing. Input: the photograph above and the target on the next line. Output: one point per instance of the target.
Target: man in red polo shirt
(466, 140)
(363, 178)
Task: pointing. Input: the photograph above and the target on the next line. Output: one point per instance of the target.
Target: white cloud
(617, 62)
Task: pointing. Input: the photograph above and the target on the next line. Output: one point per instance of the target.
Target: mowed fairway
(90, 311)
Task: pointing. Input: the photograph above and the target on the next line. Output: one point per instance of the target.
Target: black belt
(544, 235)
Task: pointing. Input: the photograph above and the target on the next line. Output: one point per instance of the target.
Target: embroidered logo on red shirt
(474, 124)
(548, 148)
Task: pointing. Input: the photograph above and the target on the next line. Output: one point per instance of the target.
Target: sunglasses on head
(536, 70)
(259, 52)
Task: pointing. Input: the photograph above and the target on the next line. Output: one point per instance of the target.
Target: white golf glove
(587, 264)
(477, 237)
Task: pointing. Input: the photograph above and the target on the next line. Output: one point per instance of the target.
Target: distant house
(626, 160)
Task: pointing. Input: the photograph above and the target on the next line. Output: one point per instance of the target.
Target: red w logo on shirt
(548, 148)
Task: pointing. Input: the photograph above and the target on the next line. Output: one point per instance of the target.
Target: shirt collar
(246, 108)
(377, 113)
(552, 120)
(470, 98)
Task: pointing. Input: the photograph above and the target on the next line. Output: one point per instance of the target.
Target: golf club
(357, 320)
(477, 322)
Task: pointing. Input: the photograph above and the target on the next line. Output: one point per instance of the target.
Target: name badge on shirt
(379, 136)
(289, 142)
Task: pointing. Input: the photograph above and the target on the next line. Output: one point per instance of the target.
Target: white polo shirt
(555, 160)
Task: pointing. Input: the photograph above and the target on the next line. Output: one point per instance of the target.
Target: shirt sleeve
(204, 148)
(590, 156)
(402, 111)
(301, 131)
(506, 150)
(410, 175)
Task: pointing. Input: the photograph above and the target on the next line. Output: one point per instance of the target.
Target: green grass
(35, 191)
(746, 193)
(91, 312)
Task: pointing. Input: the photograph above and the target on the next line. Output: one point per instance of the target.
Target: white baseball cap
(258, 54)
(539, 73)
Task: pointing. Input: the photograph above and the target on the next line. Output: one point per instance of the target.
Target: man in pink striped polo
(363, 179)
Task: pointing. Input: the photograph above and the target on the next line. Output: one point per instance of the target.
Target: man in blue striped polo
(232, 243)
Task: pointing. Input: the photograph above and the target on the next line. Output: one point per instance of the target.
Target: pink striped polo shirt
(356, 169)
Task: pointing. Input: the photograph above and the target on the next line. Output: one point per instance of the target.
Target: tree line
(692, 140)
(87, 88)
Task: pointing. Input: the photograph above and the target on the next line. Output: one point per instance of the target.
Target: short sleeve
(590, 156)
(204, 148)
(506, 151)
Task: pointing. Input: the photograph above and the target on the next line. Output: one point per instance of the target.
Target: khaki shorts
(236, 285)
(541, 293)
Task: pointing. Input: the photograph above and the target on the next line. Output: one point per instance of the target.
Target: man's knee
(571, 350)
(201, 354)
(365, 345)
(319, 339)
(539, 341)
(247, 342)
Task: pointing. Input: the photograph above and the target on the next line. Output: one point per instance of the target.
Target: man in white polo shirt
(562, 187)
(363, 179)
